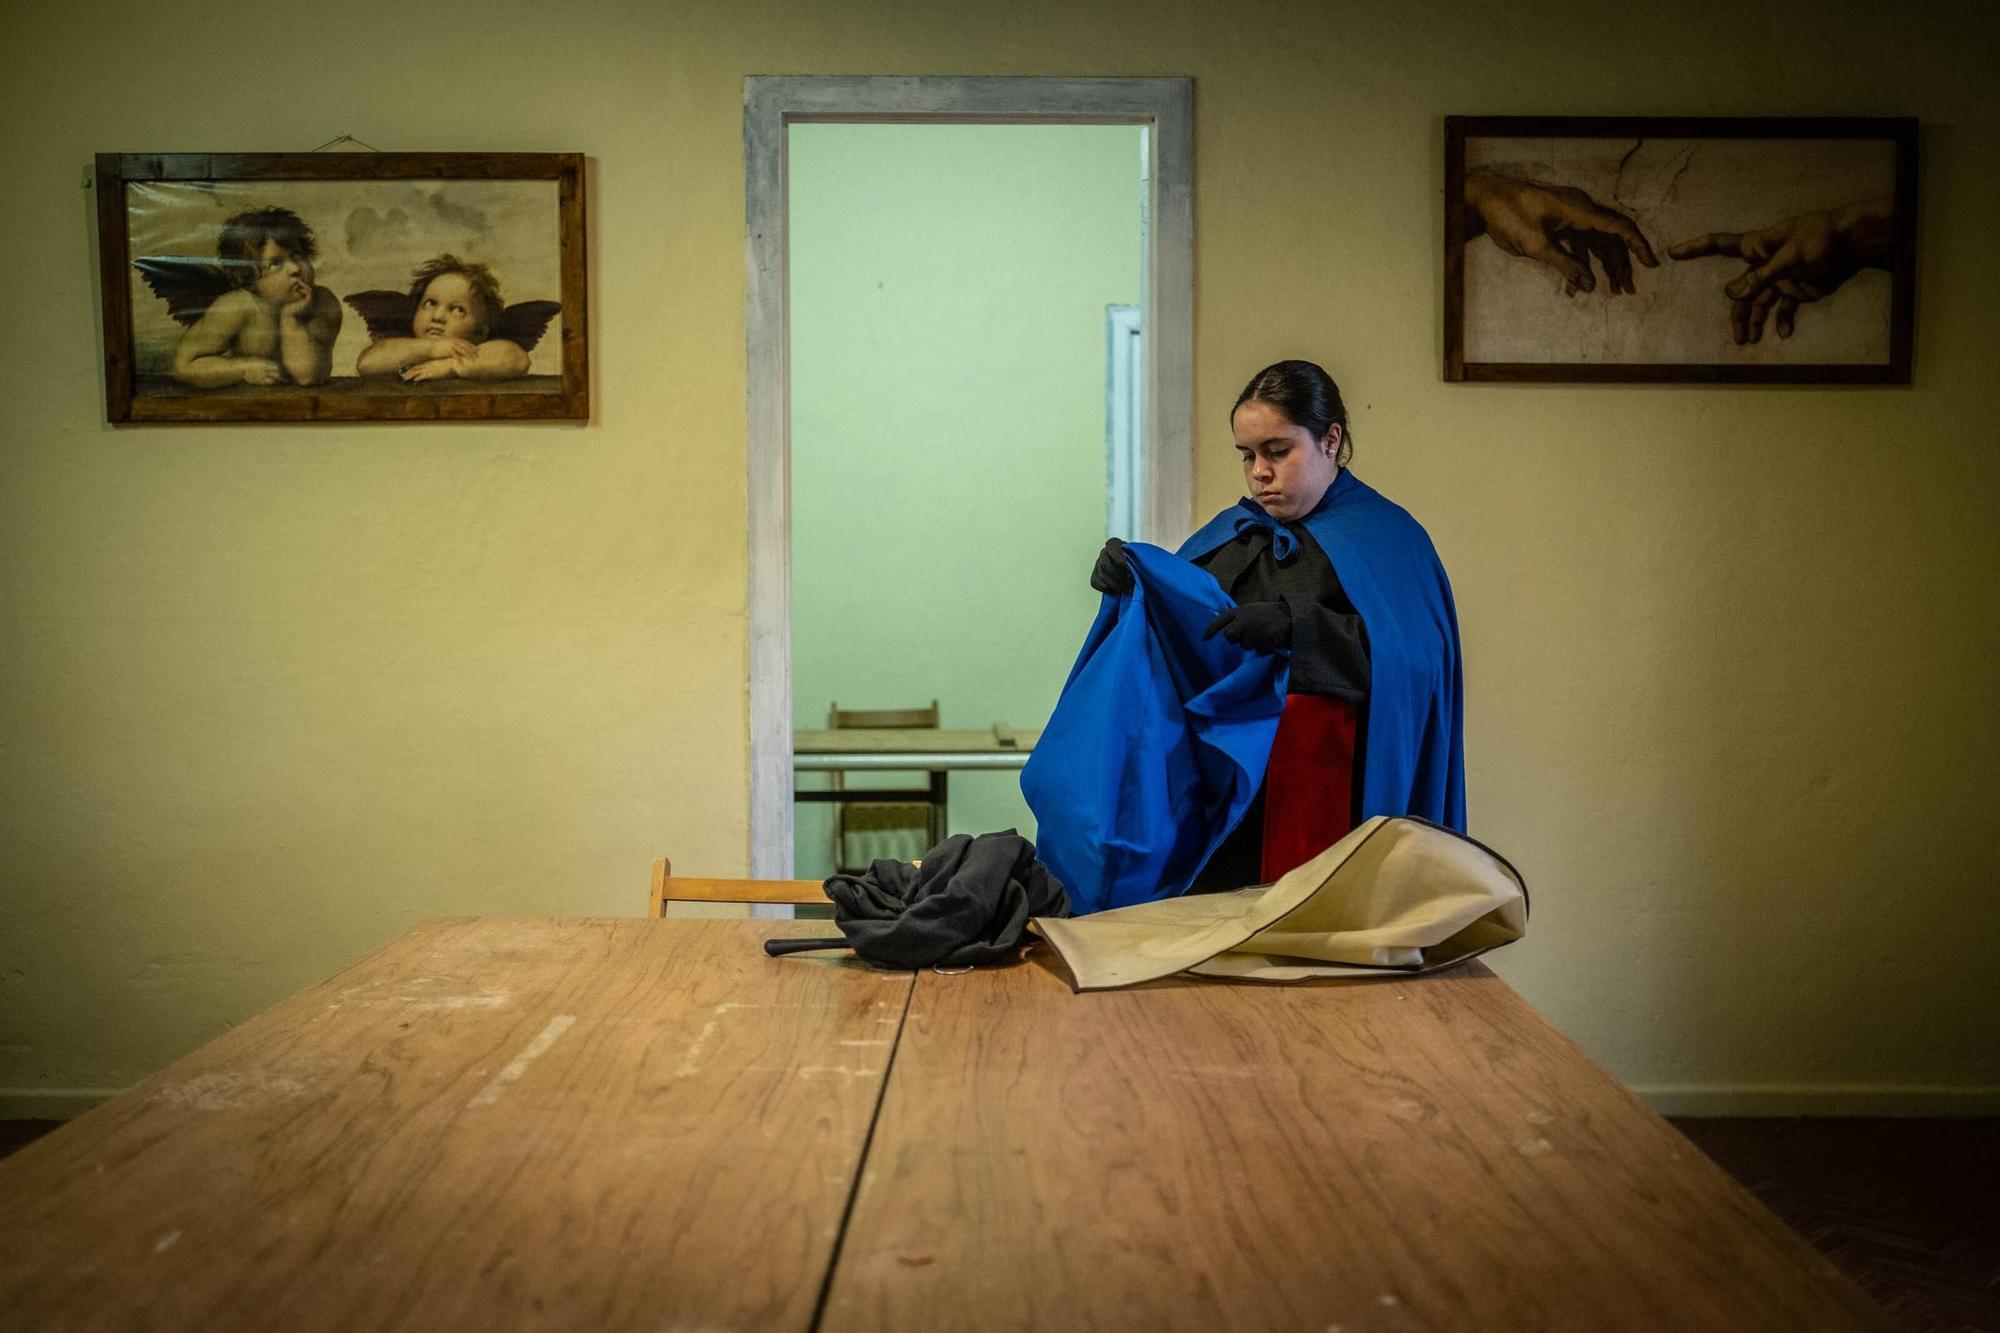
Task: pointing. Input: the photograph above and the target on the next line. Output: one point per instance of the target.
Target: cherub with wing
(254, 316)
(451, 322)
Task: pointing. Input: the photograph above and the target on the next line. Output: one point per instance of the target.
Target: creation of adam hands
(1558, 226)
(1262, 627)
(1788, 263)
(1795, 260)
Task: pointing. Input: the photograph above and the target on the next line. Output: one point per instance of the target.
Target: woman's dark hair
(1307, 396)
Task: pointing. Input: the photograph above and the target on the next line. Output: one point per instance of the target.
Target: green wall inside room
(948, 286)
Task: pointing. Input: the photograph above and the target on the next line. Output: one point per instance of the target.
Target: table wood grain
(486, 1124)
(1425, 1153)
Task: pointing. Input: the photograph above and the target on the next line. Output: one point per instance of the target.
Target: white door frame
(1165, 106)
(1124, 463)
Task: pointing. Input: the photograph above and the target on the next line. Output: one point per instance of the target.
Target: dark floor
(20, 1133)
(1910, 1209)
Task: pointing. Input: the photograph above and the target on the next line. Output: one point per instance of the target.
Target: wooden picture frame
(287, 286)
(1699, 250)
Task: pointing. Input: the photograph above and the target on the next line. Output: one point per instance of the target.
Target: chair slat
(669, 887)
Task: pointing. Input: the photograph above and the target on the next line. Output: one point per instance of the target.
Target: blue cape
(1157, 744)
(1413, 755)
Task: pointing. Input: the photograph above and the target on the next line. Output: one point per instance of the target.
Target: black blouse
(1329, 643)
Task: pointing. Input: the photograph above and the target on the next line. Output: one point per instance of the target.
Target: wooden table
(649, 1124)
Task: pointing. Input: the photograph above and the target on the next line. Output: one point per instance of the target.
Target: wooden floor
(1908, 1208)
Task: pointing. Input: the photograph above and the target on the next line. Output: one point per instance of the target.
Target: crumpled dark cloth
(967, 904)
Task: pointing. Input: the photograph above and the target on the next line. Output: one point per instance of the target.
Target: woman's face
(1284, 468)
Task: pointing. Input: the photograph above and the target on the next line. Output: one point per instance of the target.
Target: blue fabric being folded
(1157, 744)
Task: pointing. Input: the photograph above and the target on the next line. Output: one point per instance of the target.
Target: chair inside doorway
(864, 830)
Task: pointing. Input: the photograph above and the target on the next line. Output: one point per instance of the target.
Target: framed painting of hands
(1699, 250)
(343, 286)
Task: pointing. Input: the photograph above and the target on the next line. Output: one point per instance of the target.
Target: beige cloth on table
(1395, 896)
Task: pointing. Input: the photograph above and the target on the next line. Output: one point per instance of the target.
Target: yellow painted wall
(269, 694)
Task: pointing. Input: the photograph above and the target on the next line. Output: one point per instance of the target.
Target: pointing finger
(1617, 224)
(1728, 243)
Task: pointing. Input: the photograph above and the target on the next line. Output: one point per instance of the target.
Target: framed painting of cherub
(1707, 250)
(343, 287)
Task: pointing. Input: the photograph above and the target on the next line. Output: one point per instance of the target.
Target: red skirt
(1309, 782)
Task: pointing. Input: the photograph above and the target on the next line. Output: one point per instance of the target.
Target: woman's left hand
(1262, 627)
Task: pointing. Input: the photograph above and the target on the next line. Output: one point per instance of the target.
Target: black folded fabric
(967, 904)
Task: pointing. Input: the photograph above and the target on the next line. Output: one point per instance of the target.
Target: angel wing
(524, 322)
(189, 286)
(387, 314)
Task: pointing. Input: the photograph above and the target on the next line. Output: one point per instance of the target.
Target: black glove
(1112, 574)
(1262, 627)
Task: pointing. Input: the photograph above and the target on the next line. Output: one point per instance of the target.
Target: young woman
(1322, 567)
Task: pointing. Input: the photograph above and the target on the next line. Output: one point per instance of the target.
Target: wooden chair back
(882, 719)
(926, 820)
(669, 887)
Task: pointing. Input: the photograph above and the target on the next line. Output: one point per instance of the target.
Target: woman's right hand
(1112, 575)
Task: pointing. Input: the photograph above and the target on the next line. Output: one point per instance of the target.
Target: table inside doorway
(613, 1124)
(932, 751)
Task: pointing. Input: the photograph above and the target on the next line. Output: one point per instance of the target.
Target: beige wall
(270, 694)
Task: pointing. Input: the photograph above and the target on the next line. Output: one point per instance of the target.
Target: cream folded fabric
(1393, 896)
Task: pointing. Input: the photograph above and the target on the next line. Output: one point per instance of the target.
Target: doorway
(1160, 466)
